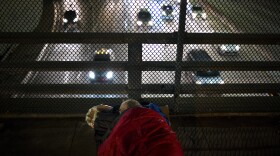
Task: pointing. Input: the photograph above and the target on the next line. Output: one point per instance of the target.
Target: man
(139, 131)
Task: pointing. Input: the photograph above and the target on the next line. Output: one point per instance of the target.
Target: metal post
(180, 47)
(134, 75)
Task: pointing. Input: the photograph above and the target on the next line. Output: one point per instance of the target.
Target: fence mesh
(170, 68)
(197, 56)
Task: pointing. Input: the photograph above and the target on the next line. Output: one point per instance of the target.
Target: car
(144, 18)
(198, 12)
(101, 76)
(70, 19)
(230, 49)
(167, 12)
(204, 77)
(70, 16)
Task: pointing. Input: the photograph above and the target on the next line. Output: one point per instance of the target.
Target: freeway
(121, 16)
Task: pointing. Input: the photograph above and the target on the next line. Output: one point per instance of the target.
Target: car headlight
(237, 48)
(109, 75)
(75, 19)
(203, 15)
(91, 75)
(179, 1)
(65, 20)
(110, 51)
(223, 47)
(222, 82)
(150, 23)
(139, 23)
(198, 82)
(163, 13)
(194, 15)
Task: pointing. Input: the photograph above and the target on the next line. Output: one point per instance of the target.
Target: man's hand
(90, 116)
(92, 113)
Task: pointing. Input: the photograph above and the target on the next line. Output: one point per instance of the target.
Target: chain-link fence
(229, 141)
(200, 57)
(196, 56)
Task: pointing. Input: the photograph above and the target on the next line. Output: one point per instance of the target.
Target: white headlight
(75, 20)
(109, 51)
(150, 23)
(204, 15)
(139, 23)
(109, 75)
(198, 82)
(65, 20)
(223, 47)
(222, 82)
(91, 75)
(237, 48)
(194, 15)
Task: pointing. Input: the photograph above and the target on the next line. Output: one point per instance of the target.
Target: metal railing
(171, 87)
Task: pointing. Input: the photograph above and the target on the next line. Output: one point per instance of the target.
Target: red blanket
(141, 132)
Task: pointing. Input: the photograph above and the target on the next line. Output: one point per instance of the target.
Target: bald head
(130, 103)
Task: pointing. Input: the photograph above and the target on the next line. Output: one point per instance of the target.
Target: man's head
(130, 103)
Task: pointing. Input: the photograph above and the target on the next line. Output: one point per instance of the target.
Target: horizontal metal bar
(85, 65)
(53, 105)
(230, 101)
(114, 38)
(231, 38)
(62, 105)
(61, 65)
(144, 66)
(149, 38)
(78, 115)
(217, 115)
(157, 89)
(229, 88)
(64, 88)
(145, 88)
(26, 115)
(232, 65)
(71, 102)
(190, 105)
(210, 88)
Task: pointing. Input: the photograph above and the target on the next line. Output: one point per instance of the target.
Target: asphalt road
(121, 16)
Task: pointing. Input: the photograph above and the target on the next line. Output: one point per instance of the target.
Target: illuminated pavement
(120, 16)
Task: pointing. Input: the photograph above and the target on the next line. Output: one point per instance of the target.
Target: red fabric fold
(141, 132)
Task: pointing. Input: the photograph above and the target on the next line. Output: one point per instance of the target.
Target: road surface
(121, 16)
